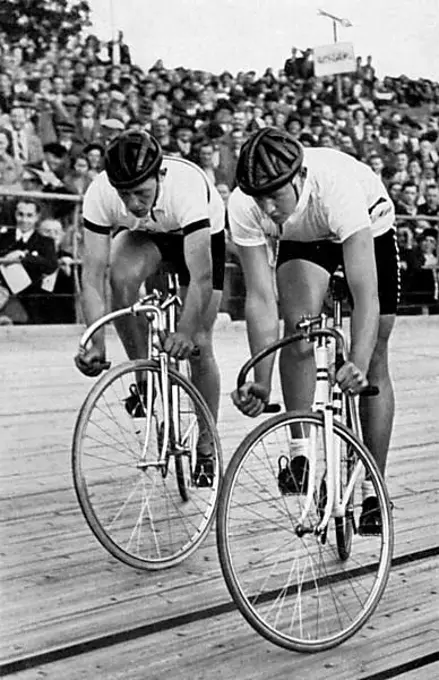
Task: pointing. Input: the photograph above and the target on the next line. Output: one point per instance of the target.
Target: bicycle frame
(161, 313)
(330, 401)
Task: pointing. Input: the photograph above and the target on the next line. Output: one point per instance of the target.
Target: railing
(234, 292)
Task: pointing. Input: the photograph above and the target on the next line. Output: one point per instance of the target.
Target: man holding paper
(25, 257)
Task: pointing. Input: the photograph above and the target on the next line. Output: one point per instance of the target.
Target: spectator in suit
(401, 163)
(78, 179)
(11, 170)
(11, 175)
(395, 189)
(6, 92)
(57, 304)
(291, 65)
(161, 129)
(205, 159)
(183, 136)
(228, 159)
(326, 139)
(87, 129)
(407, 257)
(370, 143)
(427, 150)
(35, 255)
(110, 128)
(95, 155)
(66, 137)
(431, 206)
(407, 203)
(26, 146)
(376, 163)
(425, 275)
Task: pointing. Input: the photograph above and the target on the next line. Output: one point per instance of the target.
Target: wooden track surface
(75, 612)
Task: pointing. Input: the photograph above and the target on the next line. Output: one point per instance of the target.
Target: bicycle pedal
(204, 473)
(292, 479)
(133, 403)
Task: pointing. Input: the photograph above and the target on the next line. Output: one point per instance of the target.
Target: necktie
(20, 148)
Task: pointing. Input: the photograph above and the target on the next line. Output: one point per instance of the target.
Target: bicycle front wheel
(287, 578)
(147, 514)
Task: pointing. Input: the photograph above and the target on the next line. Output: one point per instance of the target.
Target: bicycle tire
(183, 474)
(293, 589)
(135, 511)
(345, 526)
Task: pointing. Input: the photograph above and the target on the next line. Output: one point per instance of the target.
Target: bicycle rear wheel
(287, 580)
(135, 508)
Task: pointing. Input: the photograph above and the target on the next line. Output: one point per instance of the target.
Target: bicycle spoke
(131, 497)
(292, 585)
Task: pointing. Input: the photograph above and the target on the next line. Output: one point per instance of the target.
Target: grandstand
(59, 109)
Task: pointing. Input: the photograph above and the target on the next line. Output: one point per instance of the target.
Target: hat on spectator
(71, 100)
(87, 99)
(117, 95)
(92, 146)
(65, 125)
(113, 124)
(429, 231)
(430, 136)
(223, 103)
(57, 150)
(214, 130)
(24, 99)
(306, 138)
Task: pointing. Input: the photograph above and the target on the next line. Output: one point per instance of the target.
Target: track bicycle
(137, 472)
(293, 559)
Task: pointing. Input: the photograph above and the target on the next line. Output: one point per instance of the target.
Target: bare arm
(199, 263)
(361, 275)
(260, 307)
(95, 262)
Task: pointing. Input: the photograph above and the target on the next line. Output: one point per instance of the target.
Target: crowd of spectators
(57, 113)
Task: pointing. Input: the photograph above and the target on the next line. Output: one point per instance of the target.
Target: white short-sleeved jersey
(186, 197)
(340, 196)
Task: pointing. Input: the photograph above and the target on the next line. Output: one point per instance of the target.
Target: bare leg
(134, 257)
(376, 413)
(302, 287)
(204, 368)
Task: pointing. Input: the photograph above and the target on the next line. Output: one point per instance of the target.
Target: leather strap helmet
(268, 160)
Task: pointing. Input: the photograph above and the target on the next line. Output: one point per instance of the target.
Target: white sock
(367, 489)
(299, 447)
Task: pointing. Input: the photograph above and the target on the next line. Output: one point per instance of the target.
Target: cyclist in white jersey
(141, 211)
(308, 211)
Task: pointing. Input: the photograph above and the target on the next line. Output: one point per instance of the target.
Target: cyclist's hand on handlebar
(251, 398)
(350, 378)
(91, 362)
(177, 345)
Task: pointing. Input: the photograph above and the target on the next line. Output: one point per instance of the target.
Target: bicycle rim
(345, 526)
(134, 508)
(295, 590)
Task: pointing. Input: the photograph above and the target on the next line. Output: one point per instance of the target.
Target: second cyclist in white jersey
(308, 211)
(141, 211)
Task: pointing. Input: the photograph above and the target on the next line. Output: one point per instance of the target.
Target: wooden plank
(403, 629)
(58, 585)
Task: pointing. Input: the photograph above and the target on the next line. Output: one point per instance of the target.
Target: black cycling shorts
(172, 251)
(330, 256)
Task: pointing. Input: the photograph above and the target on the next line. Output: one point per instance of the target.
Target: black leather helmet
(268, 160)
